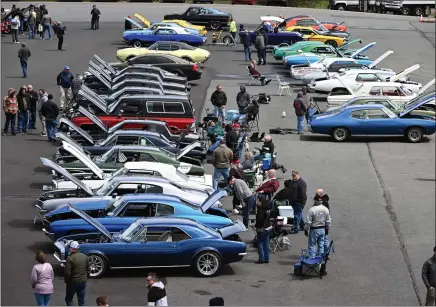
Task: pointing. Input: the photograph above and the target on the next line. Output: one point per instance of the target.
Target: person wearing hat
(77, 270)
(10, 107)
(95, 18)
(65, 83)
(59, 29)
(24, 55)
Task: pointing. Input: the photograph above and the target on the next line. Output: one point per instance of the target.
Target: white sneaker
(240, 206)
(235, 211)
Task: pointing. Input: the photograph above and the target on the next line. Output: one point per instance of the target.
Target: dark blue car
(157, 242)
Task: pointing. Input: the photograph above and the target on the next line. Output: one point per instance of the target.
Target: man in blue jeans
(296, 193)
(222, 158)
(219, 102)
(24, 55)
(77, 271)
(50, 111)
(300, 112)
(245, 197)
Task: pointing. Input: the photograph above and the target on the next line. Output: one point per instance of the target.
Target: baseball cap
(75, 245)
(66, 67)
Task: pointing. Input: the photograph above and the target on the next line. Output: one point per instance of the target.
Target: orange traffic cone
(420, 18)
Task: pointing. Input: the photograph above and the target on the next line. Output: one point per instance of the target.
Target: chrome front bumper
(242, 254)
(58, 258)
(50, 235)
(39, 214)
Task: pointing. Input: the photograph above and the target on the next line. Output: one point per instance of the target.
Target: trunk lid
(230, 230)
(212, 199)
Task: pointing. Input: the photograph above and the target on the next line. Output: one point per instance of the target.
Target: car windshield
(131, 232)
(187, 47)
(112, 206)
(106, 188)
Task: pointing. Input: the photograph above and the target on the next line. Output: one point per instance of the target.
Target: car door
(164, 48)
(152, 248)
(377, 122)
(163, 35)
(193, 15)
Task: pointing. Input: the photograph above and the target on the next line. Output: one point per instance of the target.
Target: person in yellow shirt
(233, 29)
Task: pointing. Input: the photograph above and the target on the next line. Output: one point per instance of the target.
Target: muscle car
(373, 119)
(139, 38)
(150, 28)
(157, 242)
(182, 23)
(181, 50)
(313, 35)
(309, 21)
(273, 36)
(208, 17)
(119, 214)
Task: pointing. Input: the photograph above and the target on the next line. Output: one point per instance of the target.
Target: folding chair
(283, 86)
(315, 266)
(251, 77)
(278, 239)
(253, 121)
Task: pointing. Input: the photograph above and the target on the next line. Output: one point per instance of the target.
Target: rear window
(165, 107)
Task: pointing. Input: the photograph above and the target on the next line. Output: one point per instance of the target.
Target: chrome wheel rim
(340, 134)
(137, 44)
(96, 265)
(214, 25)
(414, 135)
(227, 40)
(207, 264)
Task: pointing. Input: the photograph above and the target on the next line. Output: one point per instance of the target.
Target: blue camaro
(156, 242)
(139, 38)
(119, 214)
(374, 119)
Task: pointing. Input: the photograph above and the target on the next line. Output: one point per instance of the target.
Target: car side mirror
(114, 195)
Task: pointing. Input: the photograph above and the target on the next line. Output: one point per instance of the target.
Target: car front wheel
(137, 44)
(414, 134)
(207, 264)
(340, 134)
(97, 265)
(215, 25)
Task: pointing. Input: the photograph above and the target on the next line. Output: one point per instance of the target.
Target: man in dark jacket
(24, 55)
(34, 97)
(77, 271)
(429, 279)
(50, 111)
(219, 101)
(231, 137)
(95, 18)
(263, 228)
(296, 194)
(59, 29)
(65, 82)
(23, 101)
(300, 111)
(243, 99)
(260, 46)
(31, 23)
(246, 41)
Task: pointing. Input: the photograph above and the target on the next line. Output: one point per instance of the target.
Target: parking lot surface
(382, 191)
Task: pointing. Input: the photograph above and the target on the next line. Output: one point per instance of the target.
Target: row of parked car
(128, 182)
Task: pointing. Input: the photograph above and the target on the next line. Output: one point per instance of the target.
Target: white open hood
(134, 23)
(212, 199)
(362, 50)
(84, 159)
(100, 77)
(92, 97)
(93, 118)
(187, 149)
(104, 64)
(271, 18)
(426, 87)
(99, 70)
(380, 58)
(67, 139)
(76, 128)
(404, 73)
(345, 85)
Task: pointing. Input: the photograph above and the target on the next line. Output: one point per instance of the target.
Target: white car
(195, 184)
(396, 92)
(332, 67)
(355, 78)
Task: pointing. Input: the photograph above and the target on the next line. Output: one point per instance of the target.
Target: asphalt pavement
(382, 191)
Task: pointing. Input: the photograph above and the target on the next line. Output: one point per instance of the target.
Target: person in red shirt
(262, 78)
(270, 186)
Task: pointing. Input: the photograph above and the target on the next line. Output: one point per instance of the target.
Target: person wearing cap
(95, 18)
(429, 279)
(10, 107)
(24, 55)
(65, 83)
(50, 112)
(59, 29)
(77, 271)
(244, 195)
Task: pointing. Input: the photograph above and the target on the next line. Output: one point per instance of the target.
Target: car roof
(137, 132)
(167, 221)
(381, 98)
(150, 197)
(380, 84)
(365, 106)
(136, 147)
(166, 98)
(139, 178)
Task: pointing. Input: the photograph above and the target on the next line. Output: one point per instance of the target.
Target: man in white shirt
(15, 25)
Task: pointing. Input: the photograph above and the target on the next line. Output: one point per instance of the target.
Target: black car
(170, 63)
(209, 17)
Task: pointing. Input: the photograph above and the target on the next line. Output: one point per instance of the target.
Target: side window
(144, 59)
(175, 47)
(138, 210)
(125, 188)
(146, 157)
(192, 11)
(155, 107)
(171, 32)
(145, 142)
(367, 78)
(174, 107)
(151, 188)
(356, 114)
(127, 140)
(306, 32)
(392, 91)
(159, 234)
(376, 91)
(323, 50)
(376, 114)
(164, 210)
(131, 107)
(164, 47)
(163, 32)
(179, 235)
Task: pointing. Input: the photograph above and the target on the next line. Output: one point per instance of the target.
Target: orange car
(309, 21)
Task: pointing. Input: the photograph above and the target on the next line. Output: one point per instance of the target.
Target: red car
(250, 2)
(309, 21)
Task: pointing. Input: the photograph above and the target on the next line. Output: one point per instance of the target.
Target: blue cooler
(232, 115)
(266, 164)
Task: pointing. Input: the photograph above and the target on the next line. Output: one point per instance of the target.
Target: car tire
(97, 265)
(227, 40)
(332, 43)
(341, 7)
(340, 134)
(207, 263)
(414, 134)
(405, 11)
(136, 44)
(215, 25)
(418, 11)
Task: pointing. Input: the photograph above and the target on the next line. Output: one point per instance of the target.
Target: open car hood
(137, 25)
(84, 159)
(146, 23)
(345, 85)
(404, 73)
(93, 118)
(212, 199)
(76, 128)
(230, 230)
(358, 40)
(67, 175)
(426, 87)
(379, 59)
(100, 77)
(419, 101)
(93, 222)
(101, 71)
(362, 50)
(67, 139)
(144, 122)
(187, 149)
(93, 98)
(104, 64)
(271, 18)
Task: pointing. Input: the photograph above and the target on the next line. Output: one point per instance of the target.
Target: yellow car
(178, 49)
(186, 24)
(311, 34)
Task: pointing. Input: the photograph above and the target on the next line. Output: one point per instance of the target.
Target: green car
(115, 158)
(283, 50)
